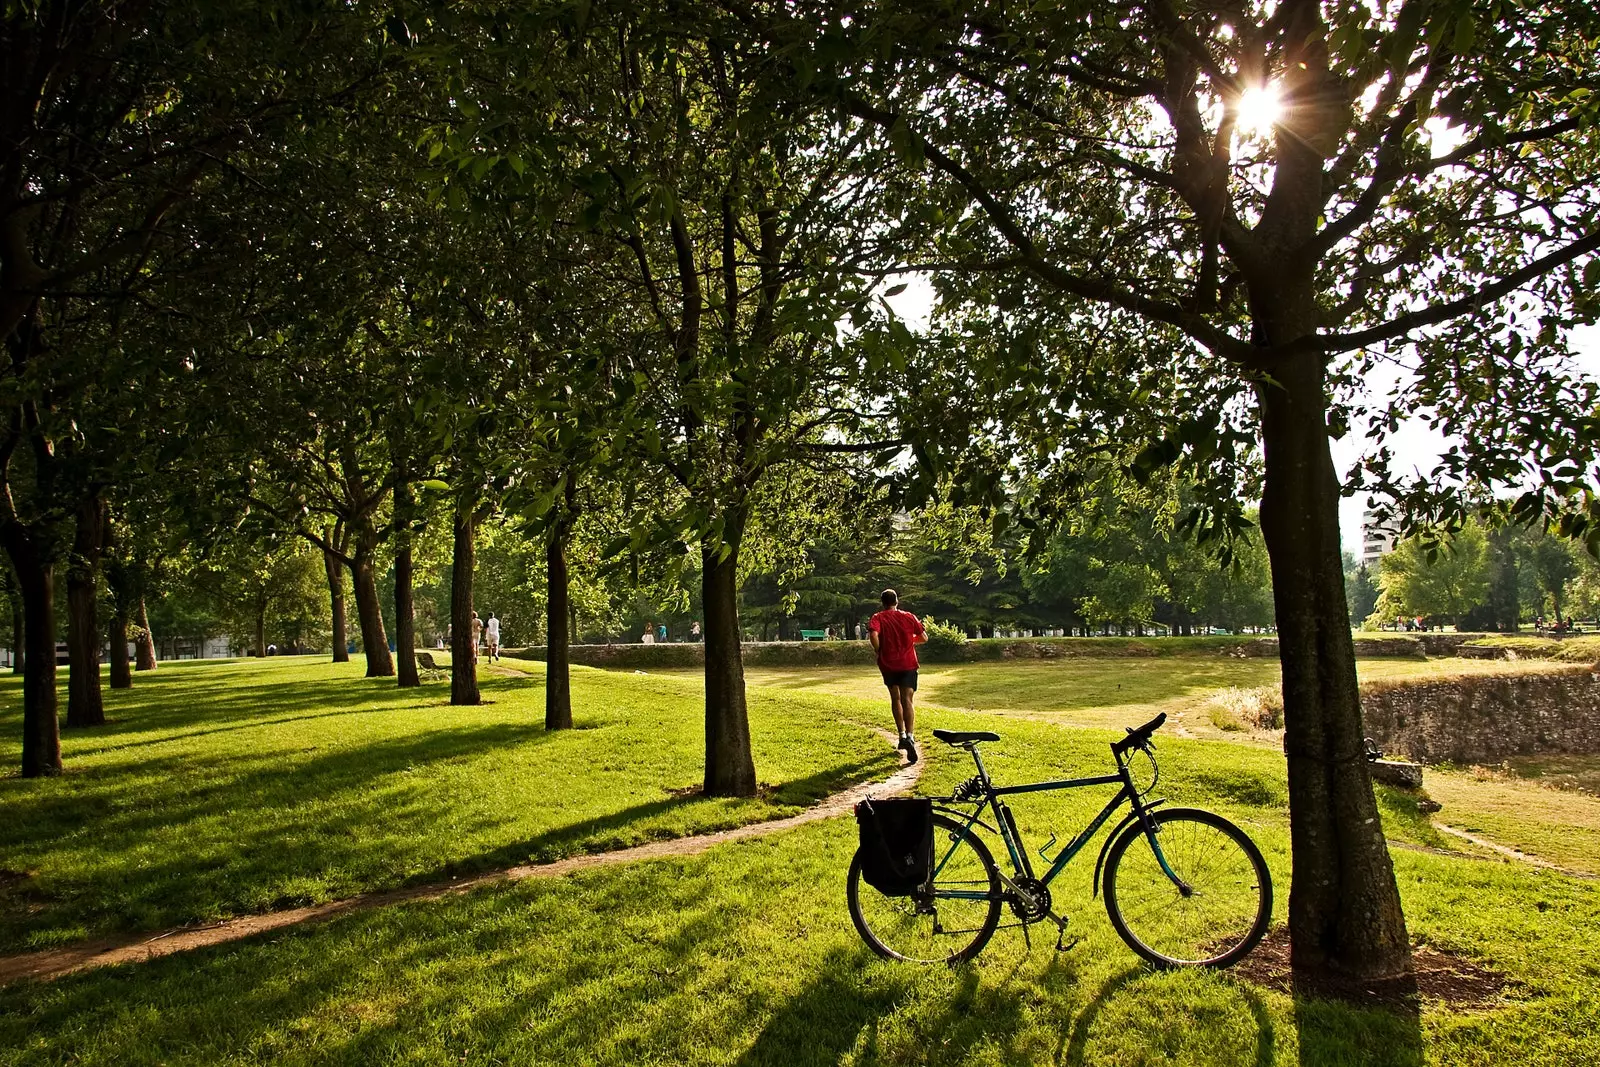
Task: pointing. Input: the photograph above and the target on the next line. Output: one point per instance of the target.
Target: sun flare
(1259, 109)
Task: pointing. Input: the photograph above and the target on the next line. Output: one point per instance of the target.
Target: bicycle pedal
(1062, 944)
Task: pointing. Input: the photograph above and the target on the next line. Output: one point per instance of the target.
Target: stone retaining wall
(1487, 718)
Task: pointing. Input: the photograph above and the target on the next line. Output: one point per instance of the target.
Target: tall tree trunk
(730, 768)
(557, 676)
(121, 665)
(463, 669)
(334, 569)
(1344, 906)
(369, 613)
(36, 581)
(405, 620)
(261, 628)
(84, 704)
(144, 646)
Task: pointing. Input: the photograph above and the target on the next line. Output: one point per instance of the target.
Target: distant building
(1377, 539)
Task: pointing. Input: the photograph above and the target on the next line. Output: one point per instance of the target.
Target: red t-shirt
(895, 630)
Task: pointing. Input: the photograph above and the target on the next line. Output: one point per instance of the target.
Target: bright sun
(1259, 110)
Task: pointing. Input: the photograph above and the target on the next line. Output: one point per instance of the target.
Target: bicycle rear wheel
(948, 925)
(1215, 913)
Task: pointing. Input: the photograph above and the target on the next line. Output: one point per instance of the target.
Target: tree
(1422, 578)
(1363, 594)
(739, 222)
(116, 118)
(1124, 187)
(1554, 566)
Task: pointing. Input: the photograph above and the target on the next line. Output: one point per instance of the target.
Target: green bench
(813, 635)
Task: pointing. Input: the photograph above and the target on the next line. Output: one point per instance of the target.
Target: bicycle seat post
(977, 757)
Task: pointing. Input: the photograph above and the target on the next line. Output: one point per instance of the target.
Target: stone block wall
(1486, 718)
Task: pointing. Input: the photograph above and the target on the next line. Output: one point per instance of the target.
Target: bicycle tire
(1219, 922)
(910, 928)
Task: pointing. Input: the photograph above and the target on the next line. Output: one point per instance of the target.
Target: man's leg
(899, 715)
(908, 708)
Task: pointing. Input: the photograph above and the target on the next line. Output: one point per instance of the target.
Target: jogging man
(491, 633)
(895, 635)
(477, 635)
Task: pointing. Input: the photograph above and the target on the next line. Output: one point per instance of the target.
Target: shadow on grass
(1336, 1034)
(286, 822)
(609, 832)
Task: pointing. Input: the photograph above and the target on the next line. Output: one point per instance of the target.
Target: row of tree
(343, 273)
(1483, 578)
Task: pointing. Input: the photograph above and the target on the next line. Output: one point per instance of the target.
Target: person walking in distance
(895, 635)
(491, 633)
(477, 635)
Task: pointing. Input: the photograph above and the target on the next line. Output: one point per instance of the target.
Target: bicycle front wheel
(947, 925)
(1207, 907)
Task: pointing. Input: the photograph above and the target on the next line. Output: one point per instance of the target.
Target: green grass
(745, 955)
(1560, 826)
(221, 789)
(1094, 691)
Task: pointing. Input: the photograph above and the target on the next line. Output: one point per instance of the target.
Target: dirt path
(1510, 853)
(137, 948)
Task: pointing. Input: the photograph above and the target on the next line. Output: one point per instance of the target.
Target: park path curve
(138, 948)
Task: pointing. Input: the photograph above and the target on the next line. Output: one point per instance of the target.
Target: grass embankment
(222, 789)
(746, 956)
(1566, 649)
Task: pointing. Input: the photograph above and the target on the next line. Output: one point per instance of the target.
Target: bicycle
(1199, 896)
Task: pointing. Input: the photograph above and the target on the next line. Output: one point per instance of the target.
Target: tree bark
(557, 675)
(144, 646)
(405, 621)
(41, 729)
(85, 706)
(730, 768)
(1344, 906)
(334, 569)
(369, 613)
(463, 656)
(121, 665)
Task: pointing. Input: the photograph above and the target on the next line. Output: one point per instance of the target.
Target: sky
(1415, 446)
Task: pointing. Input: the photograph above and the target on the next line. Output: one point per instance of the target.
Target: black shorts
(908, 679)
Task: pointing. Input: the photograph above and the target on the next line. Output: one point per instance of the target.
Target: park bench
(813, 635)
(428, 669)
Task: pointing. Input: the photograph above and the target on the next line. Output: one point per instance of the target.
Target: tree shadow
(1333, 1032)
(605, 833)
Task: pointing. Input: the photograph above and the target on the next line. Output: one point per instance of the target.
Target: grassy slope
(746, 956)
(228, 788)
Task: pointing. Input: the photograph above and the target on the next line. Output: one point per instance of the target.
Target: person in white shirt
(492, 634)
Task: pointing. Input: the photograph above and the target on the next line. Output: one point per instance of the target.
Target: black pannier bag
(896, 844)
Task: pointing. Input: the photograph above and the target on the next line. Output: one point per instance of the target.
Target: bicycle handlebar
(1139, 736)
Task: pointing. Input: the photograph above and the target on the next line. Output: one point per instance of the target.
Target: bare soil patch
(1457, 982)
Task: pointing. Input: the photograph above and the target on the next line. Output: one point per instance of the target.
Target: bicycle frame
(1006, 824)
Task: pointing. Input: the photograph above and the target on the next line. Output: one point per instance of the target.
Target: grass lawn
(1089, 691)
(745, 955)
(248, 786)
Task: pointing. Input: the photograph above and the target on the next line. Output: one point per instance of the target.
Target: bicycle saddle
(958, 737)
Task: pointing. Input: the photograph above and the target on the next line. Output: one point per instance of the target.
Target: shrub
(944, 640)
(1235, 708)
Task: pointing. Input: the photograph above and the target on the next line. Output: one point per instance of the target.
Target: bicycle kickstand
(1062, 944)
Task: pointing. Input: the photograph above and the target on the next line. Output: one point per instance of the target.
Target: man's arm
(921, 636)
(872, 635)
